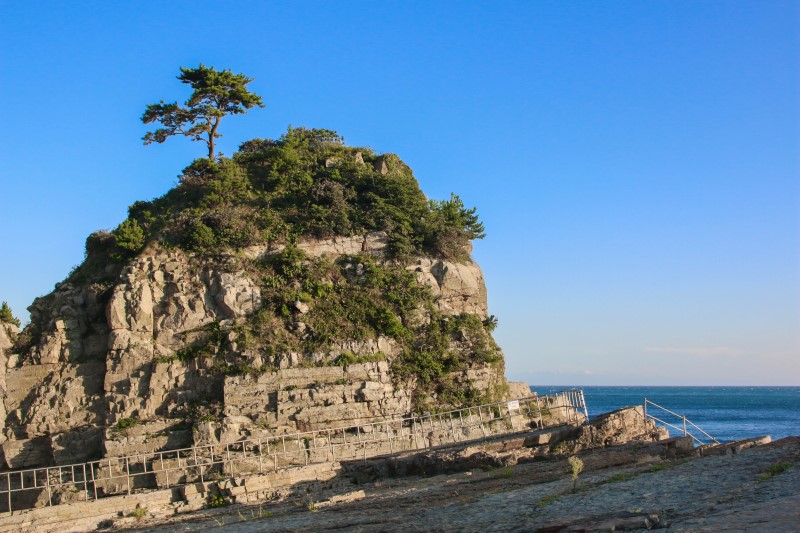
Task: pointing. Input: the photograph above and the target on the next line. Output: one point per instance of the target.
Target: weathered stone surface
(147, 436)
(117, 350)
(77, 445)
(459, 287)
(380, 165)
(622, 425)
(24, 453)
(313, 398)
(237, 295)
(72, 323)
(8, 333)
(518, 389)
(67, 397)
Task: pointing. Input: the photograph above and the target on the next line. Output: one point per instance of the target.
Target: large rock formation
(163, 345)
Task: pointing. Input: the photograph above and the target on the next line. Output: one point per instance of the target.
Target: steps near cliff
(300, 284)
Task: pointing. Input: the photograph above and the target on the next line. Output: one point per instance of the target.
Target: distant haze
(635, 163)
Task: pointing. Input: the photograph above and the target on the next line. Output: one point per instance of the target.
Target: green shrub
(450, 226)
(129, 238)
(346, 358)
(217, 500)
(576, 467)
(123, 424)
(7, 316)
(202, 238)
(139, 513)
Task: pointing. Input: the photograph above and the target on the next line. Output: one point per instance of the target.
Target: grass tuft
(774, 470)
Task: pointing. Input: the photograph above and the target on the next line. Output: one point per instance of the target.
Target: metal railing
(156, 470)
(678, 419)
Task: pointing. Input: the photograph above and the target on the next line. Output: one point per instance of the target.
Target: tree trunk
(211, 136)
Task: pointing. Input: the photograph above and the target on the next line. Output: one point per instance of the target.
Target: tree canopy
(216, 94)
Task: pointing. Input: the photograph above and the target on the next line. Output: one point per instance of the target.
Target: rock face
(114, 354)
(299, 284)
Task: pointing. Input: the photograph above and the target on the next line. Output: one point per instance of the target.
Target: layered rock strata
(109, 355)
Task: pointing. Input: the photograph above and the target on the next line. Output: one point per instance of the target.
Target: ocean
(726, 413)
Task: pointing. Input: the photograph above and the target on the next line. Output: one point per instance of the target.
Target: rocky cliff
(300, 284)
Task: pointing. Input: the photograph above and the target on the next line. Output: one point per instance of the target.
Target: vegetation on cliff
(299, 283)
(7, 316)
(309, 185)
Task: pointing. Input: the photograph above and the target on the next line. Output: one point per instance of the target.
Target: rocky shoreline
(623, 488)
(634, 479)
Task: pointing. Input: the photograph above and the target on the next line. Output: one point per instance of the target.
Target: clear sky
(636, 163)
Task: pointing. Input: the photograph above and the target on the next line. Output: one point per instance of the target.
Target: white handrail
(681, 417)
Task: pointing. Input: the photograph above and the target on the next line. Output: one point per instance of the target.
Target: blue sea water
(726, 413)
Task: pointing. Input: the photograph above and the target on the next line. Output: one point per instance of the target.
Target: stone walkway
(713, 493)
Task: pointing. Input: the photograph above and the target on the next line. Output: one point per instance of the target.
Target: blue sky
(636, 163)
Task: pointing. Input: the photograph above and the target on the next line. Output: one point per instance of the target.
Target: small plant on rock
(217, 500)
(576, 467)
(503, 473)
(774, 470)
(124, 424)
(139, 513)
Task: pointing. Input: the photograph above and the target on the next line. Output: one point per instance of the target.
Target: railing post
(85, 483)
(585, 408)
(684, 426)
(8, 486)
(645, 409)
(199, 468)
(164, 468)
(530, 412)
(480, 417)
(49, 492)
(539, 409)
(128, 473)
(94, 481)
(569, 407)
(364, 447)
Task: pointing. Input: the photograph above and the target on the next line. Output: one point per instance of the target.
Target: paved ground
(715, 493)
